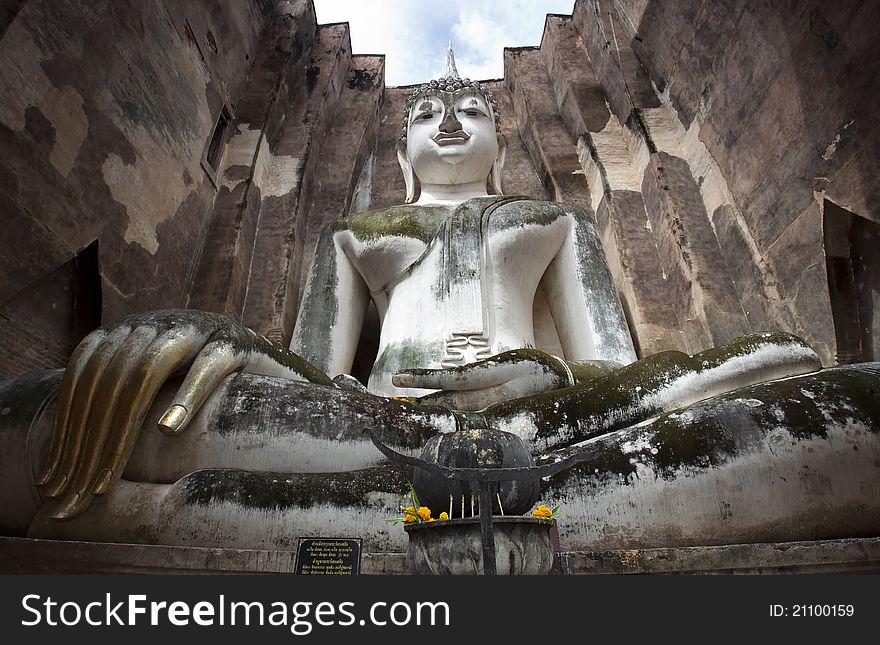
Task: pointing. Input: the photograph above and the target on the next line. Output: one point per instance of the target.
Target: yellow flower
(425, 513)
(542, 511)
(444, 516)
(409, 510)
(409, 519)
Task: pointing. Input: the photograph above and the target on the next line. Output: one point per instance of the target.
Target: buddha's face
(451, 138)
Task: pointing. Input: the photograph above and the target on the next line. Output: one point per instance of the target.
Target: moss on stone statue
(673, 448)
(266, 490)
(526, 211)
(628, 395)
(419, 222)
(285, 357)
(709, 433)
(584, 371)
(407, 355)
(806, 405)
(266, 405)
(700, 436)
(679, 443)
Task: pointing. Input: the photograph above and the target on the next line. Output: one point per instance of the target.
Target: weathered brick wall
(106, 110)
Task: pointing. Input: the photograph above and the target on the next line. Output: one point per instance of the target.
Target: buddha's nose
(450, 123)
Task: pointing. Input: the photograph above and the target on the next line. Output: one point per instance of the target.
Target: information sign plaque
(328, 556)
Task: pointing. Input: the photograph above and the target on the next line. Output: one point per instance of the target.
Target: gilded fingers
(65, 396)
(107, 399)
(169, 352)
(110, 442)
(220, 357)
(73, 433)
(172, 421)
(111, 384)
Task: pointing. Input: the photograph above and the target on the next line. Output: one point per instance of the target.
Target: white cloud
(413, 36)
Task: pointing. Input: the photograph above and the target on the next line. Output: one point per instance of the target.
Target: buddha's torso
(449, 295)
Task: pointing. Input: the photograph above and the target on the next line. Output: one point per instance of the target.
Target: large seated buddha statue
(184, 427)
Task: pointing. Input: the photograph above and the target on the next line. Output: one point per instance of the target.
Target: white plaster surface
(240, 150)
(278, 175)
(782, 490)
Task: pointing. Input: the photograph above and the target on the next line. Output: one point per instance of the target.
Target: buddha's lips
(451, 138)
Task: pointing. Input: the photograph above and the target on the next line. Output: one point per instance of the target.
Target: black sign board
(328, 557)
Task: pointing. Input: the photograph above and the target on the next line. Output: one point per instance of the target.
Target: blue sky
(414, 35)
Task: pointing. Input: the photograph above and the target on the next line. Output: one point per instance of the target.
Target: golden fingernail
(72, 506)
(45, 476)
(102, 482)
(55, 488)
(172, 419)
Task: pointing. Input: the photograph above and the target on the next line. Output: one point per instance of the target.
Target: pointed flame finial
(451, 69)
(450, 82)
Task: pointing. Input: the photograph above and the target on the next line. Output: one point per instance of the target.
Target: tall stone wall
(107, 109)
(771, 110)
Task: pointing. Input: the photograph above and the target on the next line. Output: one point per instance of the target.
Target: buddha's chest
(497, 249)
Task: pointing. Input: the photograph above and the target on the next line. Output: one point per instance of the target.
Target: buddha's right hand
(512, 374)
(114, 375)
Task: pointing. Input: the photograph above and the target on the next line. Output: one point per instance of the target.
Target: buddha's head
(451, 136)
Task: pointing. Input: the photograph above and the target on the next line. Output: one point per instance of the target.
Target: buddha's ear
(409, 177)
(497, 167)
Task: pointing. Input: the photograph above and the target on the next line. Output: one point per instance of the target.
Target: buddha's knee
(784, 461)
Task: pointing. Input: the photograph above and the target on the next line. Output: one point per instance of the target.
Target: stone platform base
(857, 555)
(24, 555)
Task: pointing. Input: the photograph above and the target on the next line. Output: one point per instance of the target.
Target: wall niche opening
(212, 157)
(852, 258)
(218, 138)
(42, 324)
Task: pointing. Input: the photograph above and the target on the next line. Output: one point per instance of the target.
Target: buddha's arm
(114, 375)
(333, 307)
(583, 299)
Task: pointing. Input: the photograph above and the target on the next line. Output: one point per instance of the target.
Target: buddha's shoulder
(405, 220)
(533, 211)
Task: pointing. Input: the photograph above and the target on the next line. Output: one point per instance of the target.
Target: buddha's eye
(472, 113)
(425, 117)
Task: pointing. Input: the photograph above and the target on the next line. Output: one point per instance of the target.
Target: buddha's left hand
(513, 374)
